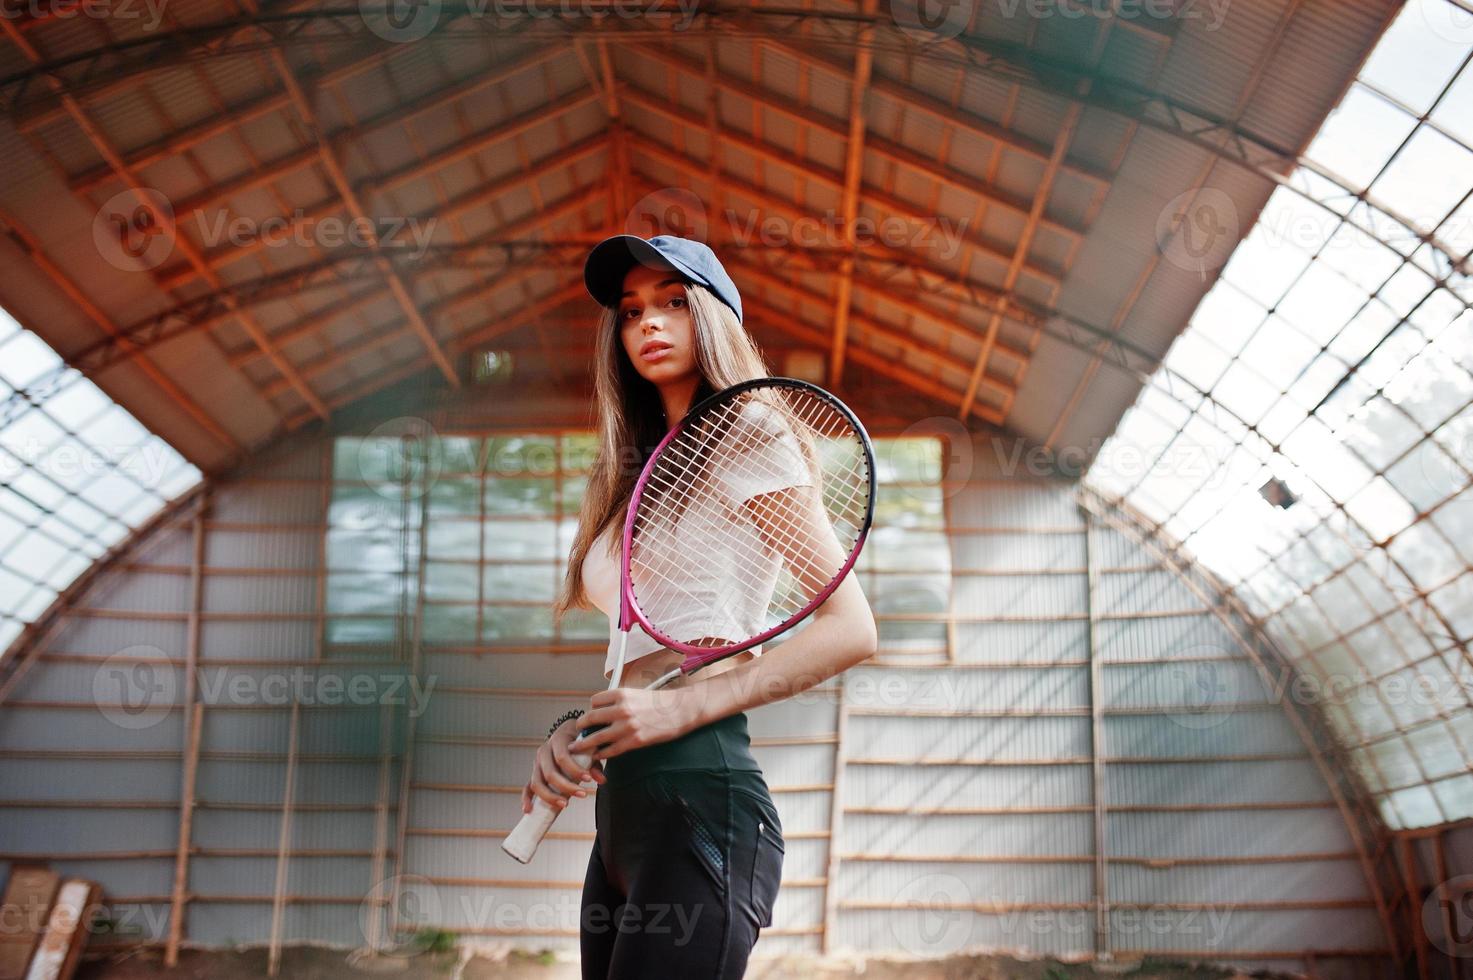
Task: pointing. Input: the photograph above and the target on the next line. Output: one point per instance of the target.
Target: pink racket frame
(698, 656)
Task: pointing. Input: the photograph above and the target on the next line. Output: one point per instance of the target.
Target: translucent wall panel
(1310, 436)
(77, 474)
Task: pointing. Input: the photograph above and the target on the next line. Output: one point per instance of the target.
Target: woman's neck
(677, 398)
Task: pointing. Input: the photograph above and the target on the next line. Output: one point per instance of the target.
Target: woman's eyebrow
(673, 280)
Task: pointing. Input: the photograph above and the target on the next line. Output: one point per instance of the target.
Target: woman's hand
(555, 773)
(635, 718)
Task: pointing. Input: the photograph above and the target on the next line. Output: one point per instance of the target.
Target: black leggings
(686, 862)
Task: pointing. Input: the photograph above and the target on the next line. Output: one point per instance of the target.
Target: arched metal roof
(1310, 435)
(1067, 150)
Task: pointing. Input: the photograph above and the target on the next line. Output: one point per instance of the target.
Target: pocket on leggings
(768, 851)
(708, 850)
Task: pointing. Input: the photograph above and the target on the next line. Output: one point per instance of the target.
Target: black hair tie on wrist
(565, 716)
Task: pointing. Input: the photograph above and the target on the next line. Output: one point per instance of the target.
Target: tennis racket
(745, 518)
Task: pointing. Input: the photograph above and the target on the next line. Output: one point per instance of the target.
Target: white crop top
(705, 588)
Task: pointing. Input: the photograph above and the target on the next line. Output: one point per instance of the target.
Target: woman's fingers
(554, 777)
(593, 741)
(545, 792)
(596, 717)
(617, 747)
(527, 798)
(567, 764)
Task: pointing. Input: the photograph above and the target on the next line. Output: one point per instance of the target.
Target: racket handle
(525, 837)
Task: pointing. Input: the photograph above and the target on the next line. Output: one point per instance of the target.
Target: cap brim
(611, 259)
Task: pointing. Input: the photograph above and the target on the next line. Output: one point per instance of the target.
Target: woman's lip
(654, 354)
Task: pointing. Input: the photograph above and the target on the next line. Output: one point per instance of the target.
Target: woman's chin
(662, 373)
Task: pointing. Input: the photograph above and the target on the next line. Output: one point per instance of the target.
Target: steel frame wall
(1059, 773)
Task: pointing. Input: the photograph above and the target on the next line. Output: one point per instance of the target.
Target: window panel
(453, 496)
(1437, 748)
(24, 357)
(1455, 603)
(1227, 316)
(531, 583)
(1380, 509)
(521, 495)
(1320, 302)
(1379, 432)
(514, 576)
(1428, 178)
(79, 474)
(1265, 264)
(1359, 136)
(1245, 392)
(450, 581)
(1412, 62)
(1414, 807)
(1426, 476)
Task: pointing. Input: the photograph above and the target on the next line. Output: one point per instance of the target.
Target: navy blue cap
(603, 272)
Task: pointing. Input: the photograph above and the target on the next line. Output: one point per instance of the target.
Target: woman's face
(653, 310)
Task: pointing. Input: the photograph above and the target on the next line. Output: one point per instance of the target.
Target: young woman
(688, 852)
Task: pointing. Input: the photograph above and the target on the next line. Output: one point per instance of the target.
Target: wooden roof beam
(875, 145)
(454, 153)
(393, 332)
(339, 179)
(907, 96)
(889, 367)
(391, 373)
(864, 59)
(619, 137)
(529, 225)
(809, 170)
(205, 130)
(110, 153)
(372, 187)
(31, 247)
(798, 294)
(1062, 141)
(792, 213)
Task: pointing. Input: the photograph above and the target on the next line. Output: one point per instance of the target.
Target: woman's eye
(680, 300)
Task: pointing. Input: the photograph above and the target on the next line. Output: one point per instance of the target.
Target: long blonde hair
(631, 421)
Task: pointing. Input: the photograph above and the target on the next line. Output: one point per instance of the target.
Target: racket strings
(789, 530)
(685, 479)
(790, 534)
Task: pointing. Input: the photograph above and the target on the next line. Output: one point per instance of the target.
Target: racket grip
(526, 836)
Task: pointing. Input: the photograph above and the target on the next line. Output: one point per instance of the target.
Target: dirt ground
(491, 962)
